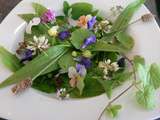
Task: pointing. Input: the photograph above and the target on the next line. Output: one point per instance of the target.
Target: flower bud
(87, 54)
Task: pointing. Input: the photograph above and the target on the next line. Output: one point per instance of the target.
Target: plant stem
(114, 99)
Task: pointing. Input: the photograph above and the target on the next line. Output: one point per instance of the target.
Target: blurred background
(7, 5)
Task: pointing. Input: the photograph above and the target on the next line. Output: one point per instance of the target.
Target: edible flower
(48, 16)
(88, 41)
(62, 94)
(86, 62)
(38, 43)
(35, 21)
(28, 55)
(22, 86)
(76, 74)
(53, 31)
(108, 67)
(64, 35)
(86, 21)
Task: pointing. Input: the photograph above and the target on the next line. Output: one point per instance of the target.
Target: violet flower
(27, 55)
(90, 40)
(91, 22)
(64, 35)
(48, 16)
(81, 69)
(86, 62)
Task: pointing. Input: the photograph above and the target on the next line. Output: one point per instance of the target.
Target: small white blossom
(62, 94)
(53, 31)
(38, 43)
(35, 21)
(107, 67)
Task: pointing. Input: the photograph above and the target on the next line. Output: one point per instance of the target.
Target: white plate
(31, 105)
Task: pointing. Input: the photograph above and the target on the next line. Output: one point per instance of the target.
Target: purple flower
(27, 55)
(64, 35)
(90, 40)
(86, 62)
(91, 22)
(81, 69)
(48, 16)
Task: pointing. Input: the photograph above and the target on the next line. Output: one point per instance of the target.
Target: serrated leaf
(9, 60)
(78, 37)
(39, 9)
(155, 75)
(66, 61)
(37, 66)
(125, 17)
(66, 7)
(146, 97)
(27, 17)
(126, 40)
(113, 110)
(81, 8)
(106, 47)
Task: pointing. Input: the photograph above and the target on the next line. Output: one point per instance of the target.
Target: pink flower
(48, 16)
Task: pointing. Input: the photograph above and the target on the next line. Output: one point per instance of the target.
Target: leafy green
(146, 97)
(113, 110)
(138, 60)
(124, 18)
(106, 47)
(39, 9)
(81, 8)
(126, 40)
(44, 84)
(9, 60)
(78, 37)
(155, 75)
(27, 17)
(66, 7)
(37, 66)
(66, 61)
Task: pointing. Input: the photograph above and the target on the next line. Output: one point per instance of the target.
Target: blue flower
(86, 62)
(27, 55)
(81, 69)
(90, 40)
(64, 35)
(91, 22)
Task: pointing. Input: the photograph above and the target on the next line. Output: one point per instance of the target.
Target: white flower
(38, 43)
(53, 31)
(62, 94)
(35, 21)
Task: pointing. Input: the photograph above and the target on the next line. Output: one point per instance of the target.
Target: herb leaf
(155, 75)
(126, 40)
(66, 7)
(37, 66)
(66, 61)
(138, 60)
(81, 8)
(27, 17)
(78, 37)
(124, 18)
(146, 98)
(9, 60)
(113, 110)
(39, 9)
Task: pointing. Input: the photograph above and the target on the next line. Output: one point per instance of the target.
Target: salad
(81, 54)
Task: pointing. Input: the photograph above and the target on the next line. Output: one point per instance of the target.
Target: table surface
(7, 5)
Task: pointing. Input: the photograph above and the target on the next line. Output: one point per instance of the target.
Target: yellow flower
(53, 31)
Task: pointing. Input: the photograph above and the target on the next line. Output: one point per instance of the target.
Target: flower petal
(72, 72)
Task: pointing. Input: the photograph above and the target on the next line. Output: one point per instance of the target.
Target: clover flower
(64, 35)
(48, 16)
(107, 67)
(53, 31)
(35, 21)
(62, 94)
(76, 74)
(89, 41)
(38, 43)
